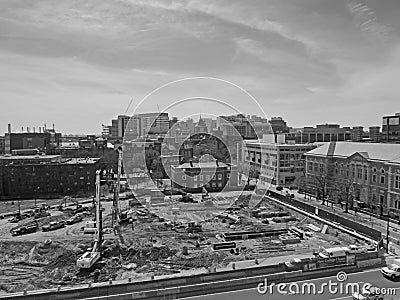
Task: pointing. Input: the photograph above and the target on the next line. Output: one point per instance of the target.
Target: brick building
(357, 173)
(45, 176)
(213, 176)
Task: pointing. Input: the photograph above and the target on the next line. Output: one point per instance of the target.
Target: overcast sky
(78, 64)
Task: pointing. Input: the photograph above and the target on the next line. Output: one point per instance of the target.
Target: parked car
(28, 228)
(74, 219)
(354, 249)
(15, 219)
(392, 271)
(53, 226)
(371, 293)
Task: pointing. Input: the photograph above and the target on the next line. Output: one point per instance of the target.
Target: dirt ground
(149, 247)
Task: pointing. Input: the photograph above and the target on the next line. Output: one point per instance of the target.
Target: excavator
(89, 258)
(62, 205)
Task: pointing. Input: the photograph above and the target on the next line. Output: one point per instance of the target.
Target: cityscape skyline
(310, 62)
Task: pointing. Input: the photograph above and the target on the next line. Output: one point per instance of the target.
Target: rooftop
(375, 151)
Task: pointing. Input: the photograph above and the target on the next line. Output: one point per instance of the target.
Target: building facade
(279, 164)
(391, 128)
(27, 177)
(364, 174)
(213, 176)
(321, 133)
(46, 141)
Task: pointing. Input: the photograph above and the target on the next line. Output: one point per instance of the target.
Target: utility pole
(387, 232)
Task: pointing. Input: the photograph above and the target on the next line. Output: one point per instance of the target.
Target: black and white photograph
(200, 149)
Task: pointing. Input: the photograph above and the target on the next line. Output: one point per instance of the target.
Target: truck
(392, 271)
(333, 252)
(53, 226)
(28, 228)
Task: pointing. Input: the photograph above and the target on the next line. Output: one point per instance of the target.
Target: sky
(79, 63)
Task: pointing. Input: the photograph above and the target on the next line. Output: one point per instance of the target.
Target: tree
(344, 190)
(321, 184)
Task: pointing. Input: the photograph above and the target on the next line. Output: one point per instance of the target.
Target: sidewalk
(374, 222)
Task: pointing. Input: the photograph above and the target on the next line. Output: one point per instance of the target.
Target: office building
(278, 163)
(391, 129)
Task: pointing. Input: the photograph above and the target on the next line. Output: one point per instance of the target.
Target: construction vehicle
(41, 211)
(187, 198)
(204, 194)
(62, 205)
(89, 258)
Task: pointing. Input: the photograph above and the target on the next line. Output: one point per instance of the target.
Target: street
(321, 285)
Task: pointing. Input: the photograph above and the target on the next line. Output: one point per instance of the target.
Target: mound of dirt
(201, 259)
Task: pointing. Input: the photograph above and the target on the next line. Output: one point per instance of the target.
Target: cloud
(365, 18)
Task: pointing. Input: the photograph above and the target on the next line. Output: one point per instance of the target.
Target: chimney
(34, 129)
(45, 127)
(53, 126)
(216, 161)
(9, 128)
(40, 129)
(191, 163)
(27, 129)
(22, 129)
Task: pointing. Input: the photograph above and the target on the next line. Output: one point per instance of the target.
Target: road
(372, 277)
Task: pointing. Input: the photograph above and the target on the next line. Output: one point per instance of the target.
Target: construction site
(68, 241)
(147, 244)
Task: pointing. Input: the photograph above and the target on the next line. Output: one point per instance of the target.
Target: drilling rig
(88, 259)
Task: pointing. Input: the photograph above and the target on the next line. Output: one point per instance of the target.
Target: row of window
(208, 177)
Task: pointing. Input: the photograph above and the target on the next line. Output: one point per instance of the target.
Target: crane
(89, 258)
(116, 214)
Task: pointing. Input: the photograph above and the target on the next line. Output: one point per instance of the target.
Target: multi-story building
(236, 125)
(374, 134)
(214, 176)
(351, 172)
(277, 163)
(201, 126)
(357, 134)
(2, 145)
(31, 176)
(45, 141)
(391, 128)
(278, 125)
(321, 133)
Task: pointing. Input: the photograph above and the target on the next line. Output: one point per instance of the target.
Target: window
(397, 182)
(383, 171)
(310, 165)
(219, 176)
(195, 185)
(183, 177)
(219, 184)
(195, 178)
(359, 173)
(201, 177)
(373, 177)
(207, 177)
(383, 179)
